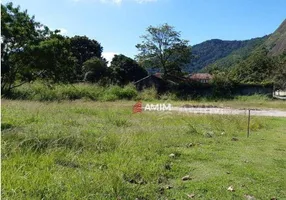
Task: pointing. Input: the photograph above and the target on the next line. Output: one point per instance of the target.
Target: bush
(148, 94)
(169, 96)
(128, 92)
(43, 92)
(113, 93)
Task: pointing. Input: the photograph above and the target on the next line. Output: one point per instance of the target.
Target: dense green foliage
(236, 56)
(53, 57)
(280, 73)
(262, 61)
(84, 49)
(220, 53)
(30, 51)
(18, 32)
(257, 68)
(96, 70)
(162, 48)
(126, 70)
(59, 92)
(259, 60)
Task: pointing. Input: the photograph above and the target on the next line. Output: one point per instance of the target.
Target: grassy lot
(42, 92)
(97, 150)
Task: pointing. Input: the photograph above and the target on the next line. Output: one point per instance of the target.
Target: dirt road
(230, 111)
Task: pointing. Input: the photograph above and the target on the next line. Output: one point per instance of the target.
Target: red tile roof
(201, 76)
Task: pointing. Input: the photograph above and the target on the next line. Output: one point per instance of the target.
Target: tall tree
(126, 70)
(163, 48)
(53, 57)
(18, 32)
(84, 49)
(96, 70)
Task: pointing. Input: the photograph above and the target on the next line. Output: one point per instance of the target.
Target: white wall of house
(280, 93)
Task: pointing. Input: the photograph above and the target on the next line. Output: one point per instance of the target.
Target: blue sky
(117, 24)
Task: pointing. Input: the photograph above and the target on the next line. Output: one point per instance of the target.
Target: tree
(126, 70)
(162, 48)
(95, 70)
(84, 49)
(18, 32)
(257, 68)
(280, 73)
(222, 85)
(53, 57)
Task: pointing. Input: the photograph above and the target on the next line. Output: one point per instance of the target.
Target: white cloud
(145, 1)
(108, 56)
(63, 31)
(118, 2)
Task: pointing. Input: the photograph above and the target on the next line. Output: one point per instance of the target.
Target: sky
(118, 24)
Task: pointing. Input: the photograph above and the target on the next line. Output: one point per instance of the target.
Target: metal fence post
(248, 124)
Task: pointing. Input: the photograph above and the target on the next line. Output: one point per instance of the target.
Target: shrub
(128, 92)
(148, 94)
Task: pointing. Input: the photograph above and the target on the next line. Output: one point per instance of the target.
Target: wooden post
(248, 124)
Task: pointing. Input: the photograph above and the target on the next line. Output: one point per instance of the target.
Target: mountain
(265, 64)
(276, 43)
(213, 50)
(221, 54)
(256, 61)
(237, 56)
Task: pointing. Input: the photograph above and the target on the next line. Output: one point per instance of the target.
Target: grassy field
(100, 150)
(39, 91)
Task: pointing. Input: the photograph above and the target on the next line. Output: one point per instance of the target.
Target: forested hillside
(266, 63)
(212, 51)
(218, 54)
(236, 56)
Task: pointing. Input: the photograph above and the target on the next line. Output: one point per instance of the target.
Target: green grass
(91, 92)
(100, 150)
(42, 92)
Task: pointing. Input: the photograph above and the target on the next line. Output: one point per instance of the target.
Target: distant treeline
(31, 51)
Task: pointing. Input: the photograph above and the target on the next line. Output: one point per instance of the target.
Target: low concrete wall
(253, 89)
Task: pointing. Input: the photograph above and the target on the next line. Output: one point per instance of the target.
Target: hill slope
(210, 51)
(276, 43)
(237, 56)
(219, 54)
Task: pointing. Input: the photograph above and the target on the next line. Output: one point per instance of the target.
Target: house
(157, 81)
(153, 80)
(201, 77)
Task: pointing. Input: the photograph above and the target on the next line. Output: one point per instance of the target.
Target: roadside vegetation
(87, 150)
(40, 91)
(33, 52)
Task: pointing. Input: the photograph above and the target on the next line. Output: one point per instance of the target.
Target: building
(201, 77)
